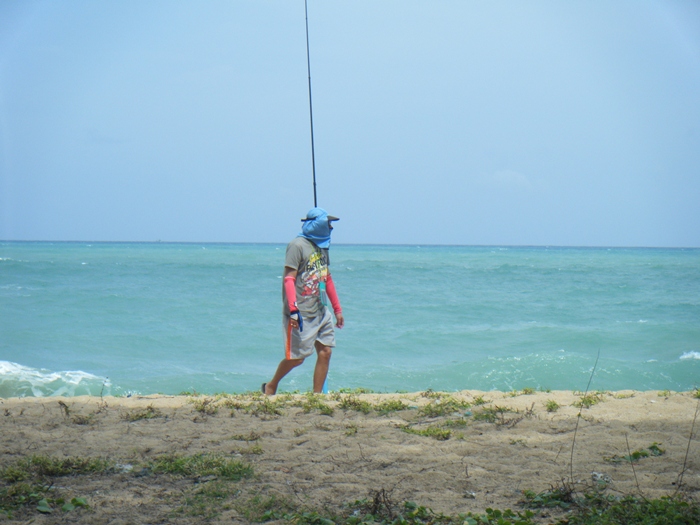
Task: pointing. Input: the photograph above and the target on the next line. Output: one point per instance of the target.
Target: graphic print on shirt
(315, 272)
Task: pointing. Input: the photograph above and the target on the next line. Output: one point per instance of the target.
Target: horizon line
(436, 245)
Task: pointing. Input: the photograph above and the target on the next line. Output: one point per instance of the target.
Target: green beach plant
(588, 400)
(74, 504)
(80, 419)
(495, 414)
(355, 391)
(20, 494)
(390, 406)
(208, 500)
(251, 436)
(36, 466)
(201, 465)
(443, 406)
(593, 508)
(561, 496)
(436, 432)
(231, 403)
(265, 408)
(653, 450)
(551, 406)
(259, 509)
(380, 510)
(205, 405)
(28, 480)
(479, 401)
(431, 394)
(623, 395)
(527, 391)
(252, 450)
(315, 402)
(597, 509)
(150, 412)
(352, 402)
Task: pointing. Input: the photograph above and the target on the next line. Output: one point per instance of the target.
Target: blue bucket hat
(317, 227)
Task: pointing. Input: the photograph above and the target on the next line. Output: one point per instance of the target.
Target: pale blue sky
(436, 121)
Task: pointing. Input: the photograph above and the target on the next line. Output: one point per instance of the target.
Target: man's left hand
(339, 320)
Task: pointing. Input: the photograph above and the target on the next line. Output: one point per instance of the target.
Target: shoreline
(452, 452)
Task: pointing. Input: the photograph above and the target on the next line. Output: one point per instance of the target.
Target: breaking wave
(22, 381)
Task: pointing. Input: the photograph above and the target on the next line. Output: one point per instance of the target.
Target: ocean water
(119, 319)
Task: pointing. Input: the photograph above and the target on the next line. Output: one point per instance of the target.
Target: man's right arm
(289, 279)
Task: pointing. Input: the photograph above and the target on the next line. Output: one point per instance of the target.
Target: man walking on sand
(307, 287)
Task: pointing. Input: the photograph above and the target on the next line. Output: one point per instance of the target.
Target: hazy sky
(436, 121)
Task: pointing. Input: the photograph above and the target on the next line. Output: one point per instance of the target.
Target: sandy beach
(454, 453)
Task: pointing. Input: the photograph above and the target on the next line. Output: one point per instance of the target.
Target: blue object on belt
(296, 315)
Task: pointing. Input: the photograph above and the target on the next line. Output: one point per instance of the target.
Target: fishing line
(311, 111)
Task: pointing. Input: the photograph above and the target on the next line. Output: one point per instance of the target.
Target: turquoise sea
(125, 318)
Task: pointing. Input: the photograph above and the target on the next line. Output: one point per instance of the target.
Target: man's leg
(285, 366)
(294, 344)
(323, 361)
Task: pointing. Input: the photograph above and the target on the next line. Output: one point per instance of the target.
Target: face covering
(316, 228)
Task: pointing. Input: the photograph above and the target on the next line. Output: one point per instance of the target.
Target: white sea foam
(691, 355)
(17, 380)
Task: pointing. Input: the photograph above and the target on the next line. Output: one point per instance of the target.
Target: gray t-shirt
(311, 264)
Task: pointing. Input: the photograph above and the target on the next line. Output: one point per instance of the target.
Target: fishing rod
(311, 111)
(311, 120)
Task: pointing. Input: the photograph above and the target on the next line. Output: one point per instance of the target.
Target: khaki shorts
(300, 345)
